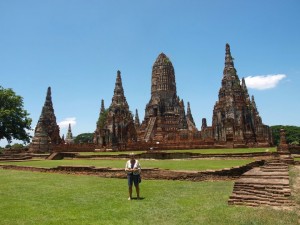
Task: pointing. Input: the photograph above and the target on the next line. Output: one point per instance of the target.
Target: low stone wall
(147, 173)
(183, 155)
(74, 148)
(14, 157)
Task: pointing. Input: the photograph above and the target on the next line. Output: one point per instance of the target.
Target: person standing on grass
(133, 170)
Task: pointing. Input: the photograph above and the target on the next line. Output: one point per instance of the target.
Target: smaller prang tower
(69, 137)
(165, 113)
(236, 120)
(47, 131)
(190, 120)
(115, 126)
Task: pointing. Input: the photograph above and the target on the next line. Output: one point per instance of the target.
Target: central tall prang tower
(164, 114)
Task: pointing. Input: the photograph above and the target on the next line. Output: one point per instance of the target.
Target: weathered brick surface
(267, 185)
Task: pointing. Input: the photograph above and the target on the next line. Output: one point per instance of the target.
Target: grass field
(43, 198)
(203, 151)
(197, 164)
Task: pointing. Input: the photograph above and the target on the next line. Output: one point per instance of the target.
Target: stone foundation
(267, 185)
(147, 173)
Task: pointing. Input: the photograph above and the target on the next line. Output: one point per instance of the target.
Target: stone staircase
(266, 185)
(150, 128)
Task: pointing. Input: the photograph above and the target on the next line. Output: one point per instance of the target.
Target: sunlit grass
(110, 153)
(186, 164)
(202, 151)
(30, 198)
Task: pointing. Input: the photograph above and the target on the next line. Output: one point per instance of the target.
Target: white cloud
(66, 121)
(263, 82)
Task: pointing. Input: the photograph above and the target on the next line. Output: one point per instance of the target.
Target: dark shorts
(133, 179)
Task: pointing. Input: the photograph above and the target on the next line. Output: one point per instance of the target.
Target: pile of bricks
(266, 185)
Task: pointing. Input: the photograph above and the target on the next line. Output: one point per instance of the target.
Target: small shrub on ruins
(17, 146)
(295, 143)
(102, 119)
(84, 138)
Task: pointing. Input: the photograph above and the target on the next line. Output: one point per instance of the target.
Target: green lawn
(297, 159)
(197, 164)
(228, 150)
(30, 198)
(109, 153)
(203, 151)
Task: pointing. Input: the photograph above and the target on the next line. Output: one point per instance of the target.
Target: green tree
(14, 119)
(102, 119)
(84, 138)
(17, 146)
(292, 134)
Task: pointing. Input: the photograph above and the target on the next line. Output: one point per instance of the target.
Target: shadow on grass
(138, 199)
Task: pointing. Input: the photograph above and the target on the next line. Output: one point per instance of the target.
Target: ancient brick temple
(235, 122)
(165, 113)
(115, 126)
(235, 117)
(47, 131)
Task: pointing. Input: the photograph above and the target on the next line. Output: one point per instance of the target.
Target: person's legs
(130, 182)
(136, 185)
(137, 188)
(130, 192)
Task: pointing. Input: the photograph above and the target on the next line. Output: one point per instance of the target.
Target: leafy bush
(292, 134)
(17, 146)
(84, 138)
(102, 119)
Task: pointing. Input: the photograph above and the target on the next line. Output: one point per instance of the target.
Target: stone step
(260, 200)
(284, 192)
(258, 203)
(267, 176)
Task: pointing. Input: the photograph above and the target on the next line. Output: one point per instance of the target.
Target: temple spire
(119, 98)
(228, 57)
(253, 102)
(102, 106)
(244, 88)
(136, 119)
(189, 114)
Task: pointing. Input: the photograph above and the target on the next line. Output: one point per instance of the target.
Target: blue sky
(77, 46)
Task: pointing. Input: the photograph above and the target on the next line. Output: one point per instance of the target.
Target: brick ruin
(46, 133)
(166, 125)
(115, 125)
(235, 117)
(165, 113)
(235, 123)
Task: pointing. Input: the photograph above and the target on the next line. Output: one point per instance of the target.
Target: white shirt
(136, 166)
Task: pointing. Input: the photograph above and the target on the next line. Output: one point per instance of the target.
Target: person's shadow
(135, 198)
